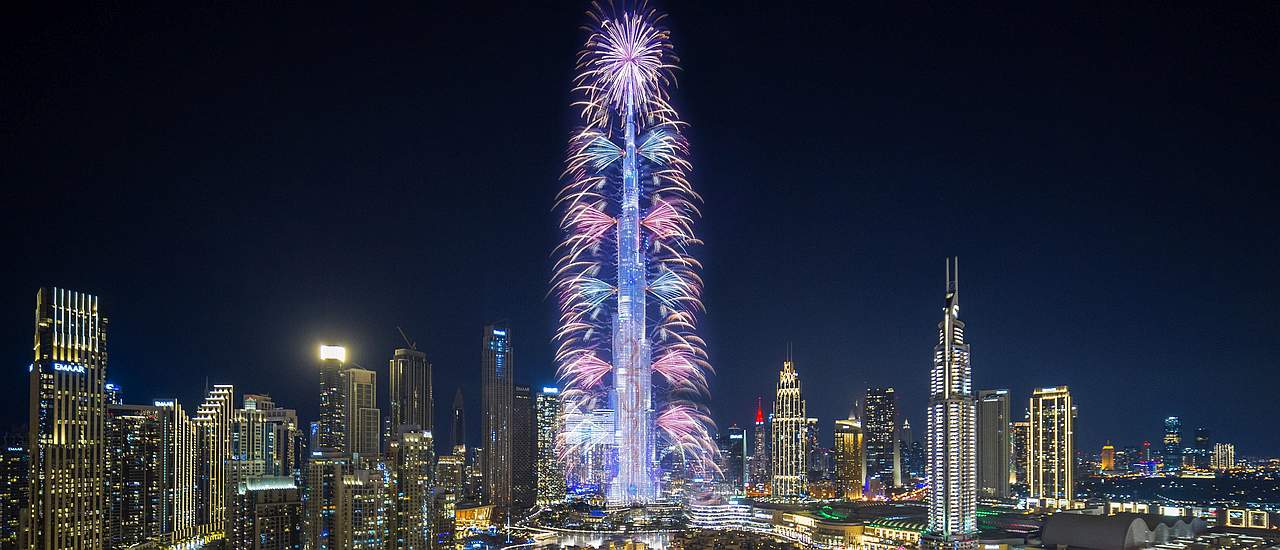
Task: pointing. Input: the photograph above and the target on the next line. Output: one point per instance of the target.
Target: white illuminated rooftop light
(333, 352)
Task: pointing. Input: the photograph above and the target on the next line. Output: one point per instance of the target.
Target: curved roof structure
(1094, 532)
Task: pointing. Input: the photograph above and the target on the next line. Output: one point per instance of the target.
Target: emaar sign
(69, 367)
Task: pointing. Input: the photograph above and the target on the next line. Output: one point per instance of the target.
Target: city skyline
(1107, 295)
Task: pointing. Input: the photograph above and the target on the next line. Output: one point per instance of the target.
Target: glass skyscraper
(498, 388)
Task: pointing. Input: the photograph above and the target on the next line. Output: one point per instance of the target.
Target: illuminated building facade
(952, 469)
(789, 442)
(993, 443)
(497, 371)
(550, 469)
(411, 397)
(1019, 435)
(67, 421)
(524, 449)
(759, 471)
(879, 424)
(212, 422)
(324, 488)
(1107, 458)
(450, 474)
(1202, 451)
(1051, 448)
(629, 292)
(267, 514)
(411, 461)
(136, 483)
(14, 469)
(1224, 457)
(331, 434)
(733, 456)
(265, 439)
(911, 451)
(850, 463)
(360, 407)
(1171, 454)
(363, 515)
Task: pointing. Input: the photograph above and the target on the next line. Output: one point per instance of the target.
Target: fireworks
(628, 290)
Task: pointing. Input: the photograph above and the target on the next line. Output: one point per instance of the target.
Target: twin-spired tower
(628, 289)
(952, 438)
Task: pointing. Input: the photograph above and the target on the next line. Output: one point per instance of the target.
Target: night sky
(240, 183)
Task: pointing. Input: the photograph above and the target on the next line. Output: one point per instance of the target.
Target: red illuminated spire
(759, 410)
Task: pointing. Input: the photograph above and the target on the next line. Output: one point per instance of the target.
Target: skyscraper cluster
(96, 471)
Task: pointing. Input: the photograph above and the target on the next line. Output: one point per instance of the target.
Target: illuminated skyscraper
(524, 449)
(789, 441)
(1224, 457)
(879, 424)
(1172, 451)
(1107, 458)
(1019, 433)
(213, 457)
(411, 397)
(324, 487)
(135, 475)
(951, 448)
(733, 455)
(497, 372)
(266, 440)
(331, 433)
(14, 469)
(411, 462)
(911, 451)
(850, 466)
(993, 443)
(550, 470)
(628, 289)
(67, 397)
(1202, 452)
(362, 511)
(267, 514)
(361, 413)
(1051, 448)
(759, 471)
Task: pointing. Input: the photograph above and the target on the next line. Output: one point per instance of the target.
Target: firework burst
(629, 291)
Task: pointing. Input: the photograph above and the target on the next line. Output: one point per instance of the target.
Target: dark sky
(242, 182)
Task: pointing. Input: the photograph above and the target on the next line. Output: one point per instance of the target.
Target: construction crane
(412, 345)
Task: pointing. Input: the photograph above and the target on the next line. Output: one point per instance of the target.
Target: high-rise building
(1202, 452)
(267, 514)
(458, 422)
(14, 469)
(524, 449)
(451, 473)
(171, 502)
(550, 470)
(324, 480)
(911, 451)
(1019, 434)
(136, 485)
(266, 440)
(952, 433)
(1171, 454)
(331, 433)
(363, 418)
(850, 466)
(1051, 448)
(759, 471)
(67, 397)
(411, 398)
(213, 457)
(362, 510)
(879, 426)
(816, 456)
(1224, 457)
(1107, 458)
(497, 372)
(411, 462)
(733, 454)
(115, 396)
(993, 443)
(789, 441)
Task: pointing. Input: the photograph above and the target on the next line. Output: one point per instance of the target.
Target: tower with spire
(789, 423)
(952, 432)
